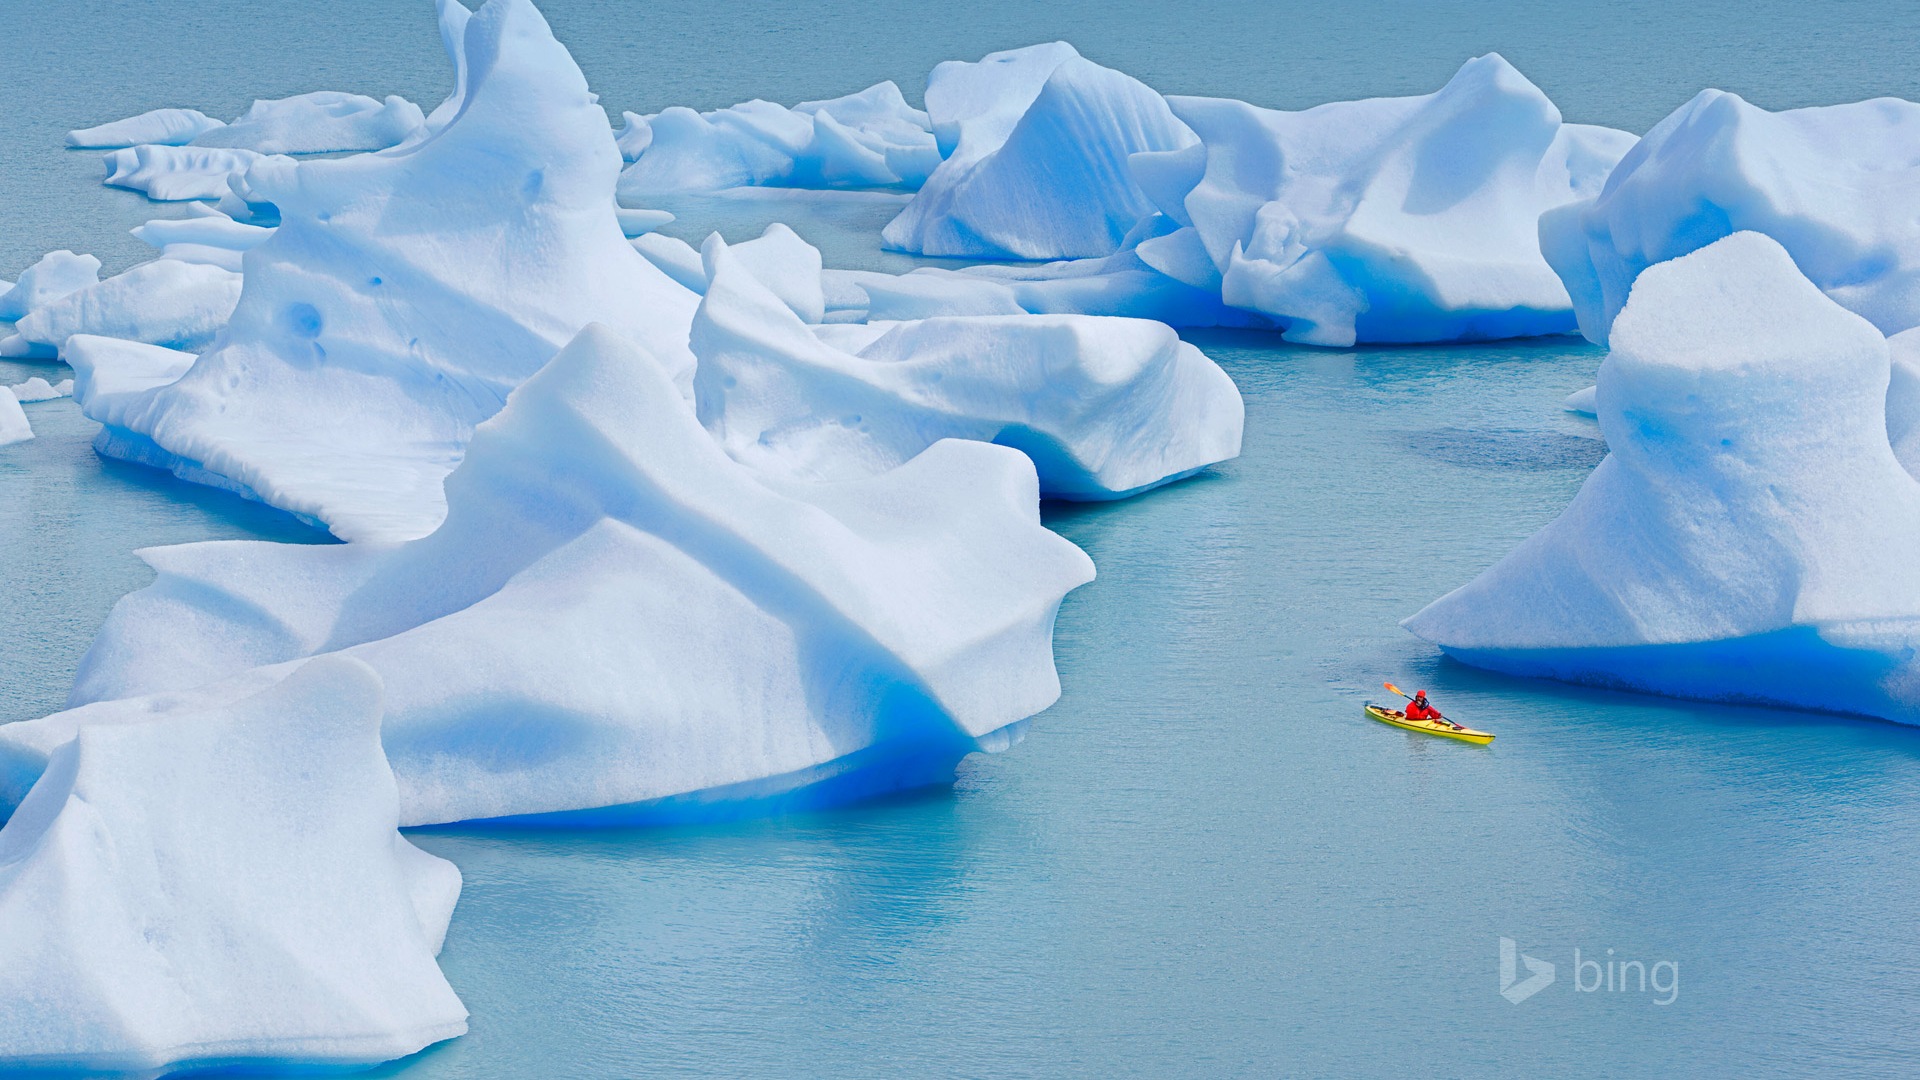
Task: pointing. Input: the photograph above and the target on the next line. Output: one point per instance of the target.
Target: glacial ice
(410, 290)
(1834, 185)
(1584, 402)
(177, 173)
(39, 389)
(162, 127)
(1039, 140)
(618, 620)
(13, 420)
(319, 122)
(1386, 220)
(1106, 408)
(54, 276)
(1903, 398)
(1749, 536)
(869, 139)
(163, 302)
(223, 889)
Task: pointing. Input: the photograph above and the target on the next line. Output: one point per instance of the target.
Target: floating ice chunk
(1749, 536)
(177, 173)
(112, 374)
(39, 389)
(869, 139)
(1039, 171)
(163, 127)
(641, 222)
(1392, 219)
(708, 641)
(673, 257)
(164, 302)
(54, 276)
(784, 264)
(411, 292)
(1835, 185)
(224, 888)
(13, 420)
(1106, 408)
(1583, 401)
(634, 136)
(319, 122)
(211, 230)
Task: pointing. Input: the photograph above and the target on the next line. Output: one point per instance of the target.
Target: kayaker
(1418, 709)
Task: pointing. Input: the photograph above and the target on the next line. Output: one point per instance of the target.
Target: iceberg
(1748, 538)
(866, 140)
(57, 274)
(1584, 402)
(164, 302)
(1835, 185)
(161, 127)
(177, 173)
(323, 121)
(1386, 220)
(39, 389)
(618, 623)
(410, 291)
(1106, 408)
(1037, 144)
(223, 890)
(13, 420)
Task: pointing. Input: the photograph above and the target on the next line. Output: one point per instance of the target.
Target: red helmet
(1421, 694)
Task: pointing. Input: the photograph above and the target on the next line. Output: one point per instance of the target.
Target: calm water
(1202, 861)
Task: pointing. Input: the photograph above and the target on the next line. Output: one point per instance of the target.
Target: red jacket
(1417, 710)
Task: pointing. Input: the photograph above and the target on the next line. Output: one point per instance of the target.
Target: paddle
(1409, 697)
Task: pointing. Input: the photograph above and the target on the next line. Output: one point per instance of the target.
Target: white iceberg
(319, 122)
(1386, 220)
(411, 291)
(1037, 169)
(57, 274)
(1903, 398)
(1106, 408)
(164, 302)
(618, 622)
(1835, 185)
(223, 889)
(13, 420)
(209, 228)
(1749, 536)
(869, 139)
(1584, 402)
(177, 173)
(163, 127)
(39, 389)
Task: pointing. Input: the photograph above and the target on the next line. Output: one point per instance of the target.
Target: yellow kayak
(1431, 727)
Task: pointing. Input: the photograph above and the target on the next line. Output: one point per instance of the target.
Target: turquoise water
(1202, 861)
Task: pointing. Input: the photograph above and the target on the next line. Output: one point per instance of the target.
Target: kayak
(1431, 727)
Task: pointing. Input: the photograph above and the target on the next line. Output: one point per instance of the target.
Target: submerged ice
(1749, 535)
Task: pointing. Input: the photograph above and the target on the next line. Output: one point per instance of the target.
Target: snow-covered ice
(618, 619)
(319, 122)
(1749, 536)
(54, 276)
(1105, 407)
(164, 302)
(1583, 401)
(1835, 185)
(411, 290)
(869, 139)
(39, 389)
(223, 888)
(177, 173)
(13, 420)
(1038, 141)
(162, 127)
